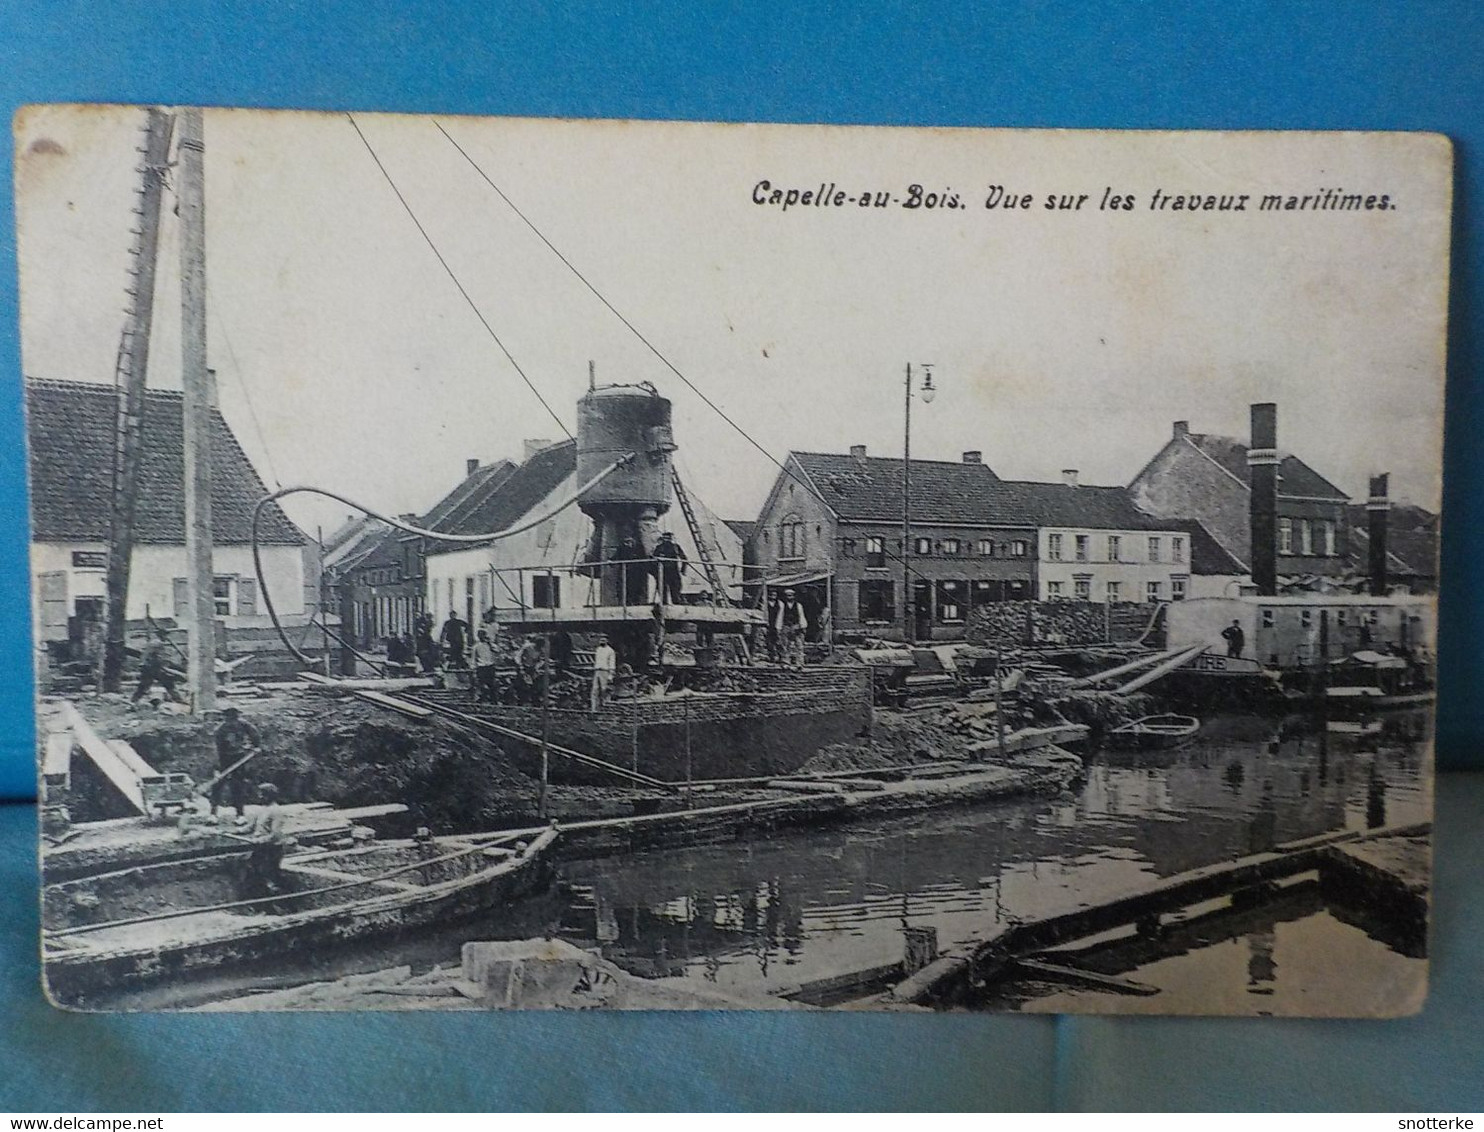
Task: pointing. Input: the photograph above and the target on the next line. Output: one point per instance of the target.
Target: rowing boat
(166, 920)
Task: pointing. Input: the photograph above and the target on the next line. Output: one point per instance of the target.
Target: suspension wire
(472, 306)
(653, 349)
(400, 524)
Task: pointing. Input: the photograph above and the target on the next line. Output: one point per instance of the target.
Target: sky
(347, 357)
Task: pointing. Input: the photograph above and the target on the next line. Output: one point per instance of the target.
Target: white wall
(153, 570)
(1134, 569)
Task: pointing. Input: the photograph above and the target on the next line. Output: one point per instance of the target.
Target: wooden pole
(196, 409)
(999, 707)
(907, 603)
(132, 373)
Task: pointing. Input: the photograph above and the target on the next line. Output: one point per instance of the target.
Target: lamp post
(928, 393)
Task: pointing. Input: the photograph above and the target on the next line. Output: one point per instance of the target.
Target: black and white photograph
(500, 563)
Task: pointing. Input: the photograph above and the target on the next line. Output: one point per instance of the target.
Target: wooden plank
(381, 699)
(106, 759)
(1094, 979)
(58, 758)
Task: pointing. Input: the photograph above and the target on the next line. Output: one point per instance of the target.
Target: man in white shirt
(484, 667)
(605, 664)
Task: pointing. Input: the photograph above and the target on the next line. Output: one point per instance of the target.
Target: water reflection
(806, 905)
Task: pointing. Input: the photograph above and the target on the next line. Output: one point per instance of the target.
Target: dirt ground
(319, 747)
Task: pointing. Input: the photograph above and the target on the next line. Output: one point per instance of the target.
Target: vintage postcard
(502, 563)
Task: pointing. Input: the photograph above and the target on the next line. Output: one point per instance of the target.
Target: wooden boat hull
(74, 970)
(1143, 734)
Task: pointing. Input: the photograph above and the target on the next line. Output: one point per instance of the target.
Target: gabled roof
(869, 488)
(1207, 556)
(742, 528)
(1296, 478)
(1411, 539)
(1085, 505)
(448, 512)
(357, 550)
(509, 498)
(71, 426)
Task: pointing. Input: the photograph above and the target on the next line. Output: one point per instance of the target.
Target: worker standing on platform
(1235, 639)
(633, 572)
(236, 739)
(669, 560)
(605, 665)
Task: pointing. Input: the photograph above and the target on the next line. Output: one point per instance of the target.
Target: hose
(399, 524)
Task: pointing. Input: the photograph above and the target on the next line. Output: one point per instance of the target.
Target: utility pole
(196, 410)
(131, 372)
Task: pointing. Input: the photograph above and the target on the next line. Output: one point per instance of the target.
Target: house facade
(71, 428)
(831, 529)
(1206, 477)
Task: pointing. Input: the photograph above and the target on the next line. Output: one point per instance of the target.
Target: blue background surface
(1203, 65)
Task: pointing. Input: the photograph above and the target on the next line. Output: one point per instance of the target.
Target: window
(1082, 548)
(950, 546)
(1306, 537)
(1267, 618)
(1115, 592)
(469, 599)
(875, 551)
(877, 601)
(1053, 547)
(922, 546)
(983, 592)
(1285, 536)
(221, 593)
(1342, 617)
(1373, 616)
(1177, 588)
(1152, 592)
(1019, 548)
(986, 548)
(546, 591)
(1306, 618)
(1328, 527)
(1053, 591)
(951, 602)
(791, 538)
(1177, 550)
(1082, 587)
(1154, 549)
(847, 547)
(1115, 548)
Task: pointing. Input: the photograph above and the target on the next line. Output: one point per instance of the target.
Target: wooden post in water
(196, 409)
(999, 707)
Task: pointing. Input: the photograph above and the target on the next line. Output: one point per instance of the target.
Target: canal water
(768, 912)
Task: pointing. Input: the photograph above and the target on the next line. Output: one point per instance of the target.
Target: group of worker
(667, 564)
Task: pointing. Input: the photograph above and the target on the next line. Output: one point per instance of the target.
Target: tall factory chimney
(1262, 464)
(1376, 509)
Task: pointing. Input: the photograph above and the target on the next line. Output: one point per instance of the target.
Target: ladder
(708, 564)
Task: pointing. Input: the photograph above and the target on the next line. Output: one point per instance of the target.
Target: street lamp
(928, 392)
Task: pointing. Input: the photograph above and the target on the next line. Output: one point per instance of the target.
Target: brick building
(1207, 477)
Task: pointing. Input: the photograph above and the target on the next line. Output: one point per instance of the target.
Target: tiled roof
(510, 498)
(446, 514)
(742, 528)
(1097, 508)
(71, 427)
(1207, 556)
(869, 488)
(1296, 478)
(1411, 539)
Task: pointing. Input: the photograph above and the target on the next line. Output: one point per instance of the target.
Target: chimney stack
(1182, 428)
(1069, 476)
(858, 451)
(1262, 466)
(973, 456)
(471, 465)
(1376, 509)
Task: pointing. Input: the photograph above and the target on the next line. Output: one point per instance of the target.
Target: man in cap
(236, 740)
(669, 560)
(269, 837)
(792, 623)
(455, 634)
